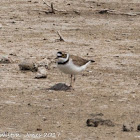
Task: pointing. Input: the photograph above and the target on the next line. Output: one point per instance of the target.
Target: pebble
(96, 114)
(28, 65)
(13, 54)
(98, 121)
(60, 87)
(41, 73)
(39, 129)
(5, 60)
(138, 127)
(127, 128)
(103, 11)
(44, 63)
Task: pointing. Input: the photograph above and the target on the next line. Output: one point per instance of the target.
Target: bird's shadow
(60, 87)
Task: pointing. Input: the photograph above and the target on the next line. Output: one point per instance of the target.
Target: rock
(29, 104)
(44, 63)
(38, 129)
(60, 86)
(96, 114)
(13, 22)
(28, 65)
(138, 127)
(127, 128)
(103, 11)
(44, 119)
(13, 54)
(5, 60)
(42, 73)
(98, 121)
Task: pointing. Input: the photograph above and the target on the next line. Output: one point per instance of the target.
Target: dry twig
(46, 3)
(53, 11)
(61, 38)
(52, 7)
(104, 11)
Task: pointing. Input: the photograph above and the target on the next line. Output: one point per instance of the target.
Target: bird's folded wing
(78, 60)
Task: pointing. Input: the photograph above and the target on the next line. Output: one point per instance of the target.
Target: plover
(71, 64)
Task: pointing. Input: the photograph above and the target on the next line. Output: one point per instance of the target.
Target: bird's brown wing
(78, 60)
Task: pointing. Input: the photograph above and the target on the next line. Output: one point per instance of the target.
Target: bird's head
(62, 56)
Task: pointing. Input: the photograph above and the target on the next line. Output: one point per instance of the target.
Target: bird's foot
(71, 87)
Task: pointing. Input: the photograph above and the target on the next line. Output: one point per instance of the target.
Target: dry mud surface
(109, 88)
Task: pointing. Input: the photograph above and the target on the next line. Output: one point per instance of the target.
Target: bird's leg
(71, 80)
(74, 79)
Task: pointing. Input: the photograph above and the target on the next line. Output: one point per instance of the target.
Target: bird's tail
(92, 61)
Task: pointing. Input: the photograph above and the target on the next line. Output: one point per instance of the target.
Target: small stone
(98, 121)
(29, 104)
(96, 114)
(44, 63)
(116, 56)
(13, 22)
(4, 60)
(27, 65)
(42, 73)
(138, 127)
(39, 129)
(93, 123)
(44, 119)
(13, 54)
(77, 12)
(60, 87)
(103, 11)
(127, 128)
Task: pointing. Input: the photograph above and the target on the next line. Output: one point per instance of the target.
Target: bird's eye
(63, 55)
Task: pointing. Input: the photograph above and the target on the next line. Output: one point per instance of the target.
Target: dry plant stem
(61, 39)
(52, 8)
(116, 12)
(46, 3)
(53, 11)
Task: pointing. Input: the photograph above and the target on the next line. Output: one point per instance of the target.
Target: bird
(71, 64)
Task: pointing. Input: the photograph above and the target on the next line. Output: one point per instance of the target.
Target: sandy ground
(109, 88)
